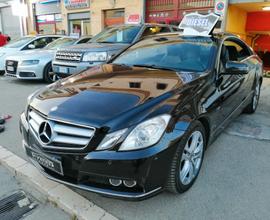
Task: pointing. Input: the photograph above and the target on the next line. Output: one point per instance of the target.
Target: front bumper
(91, 171)
(25, 72)
(64, 68)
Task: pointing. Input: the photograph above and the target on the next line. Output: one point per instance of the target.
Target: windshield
(121, 34)
(175, 54)
(19, 42)
(62, 42)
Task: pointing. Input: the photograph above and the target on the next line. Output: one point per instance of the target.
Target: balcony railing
(193, 4)
(159, 5)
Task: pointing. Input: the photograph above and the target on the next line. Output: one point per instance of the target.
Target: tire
(175, 181)
(48, 75)
(252, 106)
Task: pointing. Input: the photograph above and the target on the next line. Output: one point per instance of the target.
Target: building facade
(10, 24)
(79, 17)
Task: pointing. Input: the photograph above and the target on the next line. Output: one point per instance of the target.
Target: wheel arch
(206, 124)
(45, 66)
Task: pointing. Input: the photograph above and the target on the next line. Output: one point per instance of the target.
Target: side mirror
(236, 68)
(31, 46)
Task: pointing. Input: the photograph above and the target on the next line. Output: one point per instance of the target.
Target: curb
(62, 196)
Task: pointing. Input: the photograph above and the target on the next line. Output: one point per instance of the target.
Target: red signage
(134, 19)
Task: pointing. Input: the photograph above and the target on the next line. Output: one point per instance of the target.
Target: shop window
(114, 17)
(80, 27)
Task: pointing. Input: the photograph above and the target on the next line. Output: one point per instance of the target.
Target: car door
(232, 89)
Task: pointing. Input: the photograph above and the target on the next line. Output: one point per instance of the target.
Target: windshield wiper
(154, 67)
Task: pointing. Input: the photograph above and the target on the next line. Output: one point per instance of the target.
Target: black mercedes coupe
(141, 123)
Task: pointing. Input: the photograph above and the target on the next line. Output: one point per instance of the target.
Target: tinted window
(41, 42)
(121, 34)
(83, 40)
(176, 53)
(237, 51)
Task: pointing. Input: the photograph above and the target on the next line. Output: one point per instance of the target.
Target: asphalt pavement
(233, 183)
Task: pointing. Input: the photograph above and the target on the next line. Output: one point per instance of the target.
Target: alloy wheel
(256, 96)
(191, 158)
(52, 75)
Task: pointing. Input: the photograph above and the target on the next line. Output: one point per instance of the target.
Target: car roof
(45, 35)
(217, 36)
(143, 24)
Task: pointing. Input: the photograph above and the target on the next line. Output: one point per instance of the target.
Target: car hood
(4, 52)
(111, 95)
(32, 55)
(87, 47)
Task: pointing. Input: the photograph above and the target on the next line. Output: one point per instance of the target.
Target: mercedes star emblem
(45, 132)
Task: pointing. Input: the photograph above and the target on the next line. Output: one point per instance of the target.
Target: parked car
(142, 122)
(22, 44)
(37, 64)
(103, 46)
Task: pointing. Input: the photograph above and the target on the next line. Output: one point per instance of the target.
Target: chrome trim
(91, 134)
(69, 56)
(24, 122)
(106, 192)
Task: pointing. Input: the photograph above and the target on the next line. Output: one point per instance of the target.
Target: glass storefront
(79, 24)
(49, 24)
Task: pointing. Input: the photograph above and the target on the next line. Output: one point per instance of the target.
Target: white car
(23, 44)
(37, 64)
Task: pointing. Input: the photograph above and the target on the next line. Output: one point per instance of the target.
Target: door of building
(79, 23)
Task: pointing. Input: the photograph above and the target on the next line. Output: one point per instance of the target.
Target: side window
(51, 39)
(232, 51)
(155, 30)
(84, 40)
(237, 50)
(39, 43)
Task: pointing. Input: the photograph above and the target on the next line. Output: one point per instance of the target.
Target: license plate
(10, 68)
(44, 160)
(63, 69)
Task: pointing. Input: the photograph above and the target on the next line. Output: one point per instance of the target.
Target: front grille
(11, 66)
(69, 56)
(59, 135)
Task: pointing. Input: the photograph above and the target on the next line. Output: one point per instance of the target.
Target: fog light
(115, 182)
(129, 183)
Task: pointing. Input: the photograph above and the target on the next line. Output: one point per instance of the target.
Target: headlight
(146, 134)
(111, 139)
(29, 62)
(95, 56)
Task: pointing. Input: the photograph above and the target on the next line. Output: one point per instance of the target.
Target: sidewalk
(43, 211)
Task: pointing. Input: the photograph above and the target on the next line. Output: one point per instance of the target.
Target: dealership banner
(198, 24)
(75, 4)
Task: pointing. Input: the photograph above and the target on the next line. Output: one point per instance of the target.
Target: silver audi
(37, 64)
